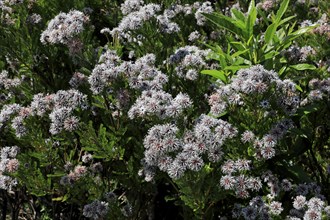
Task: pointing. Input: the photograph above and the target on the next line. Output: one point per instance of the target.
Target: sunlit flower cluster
(64, 27)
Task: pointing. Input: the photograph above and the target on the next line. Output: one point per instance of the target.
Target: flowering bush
(156, 110)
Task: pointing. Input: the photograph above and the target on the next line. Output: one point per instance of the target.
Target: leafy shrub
(125, 110)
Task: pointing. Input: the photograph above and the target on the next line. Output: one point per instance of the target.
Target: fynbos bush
(128, 109)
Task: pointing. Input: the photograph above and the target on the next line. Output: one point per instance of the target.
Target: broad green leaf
(235, 68)
(238, 53)
(225, 22)
(270, 32)
(281, 10)
(239, 61)
(238, 45)
(286, 20)
(238, 15)
(216, 74)
(270, 55)
(303, 30)
(252, 16)
(85, 71)
(222, 60)
(221, 56)
(303, 66)
(61, 198)
(287, 40)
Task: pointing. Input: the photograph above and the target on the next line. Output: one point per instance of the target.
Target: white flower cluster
(298, 54)
(7, 111)
(189, 60)
(205, 7)
(267, 207)
(134, 21)
(257, 209)
(136, 14)
(130, 6)
(60, 105)
(160, 104)
(64, 27)
(320, 89)
(265, 147)
(174, 154)
(309, 209)
(6, 10)
(141, 74)
(8, 83)
(8, 164)
(256, 81)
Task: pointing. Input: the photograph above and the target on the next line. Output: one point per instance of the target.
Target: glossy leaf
(252, 16)
(282, 10)
(238, 15)
(227, 23)
(270, 32)
(303, 66)
(216, 74)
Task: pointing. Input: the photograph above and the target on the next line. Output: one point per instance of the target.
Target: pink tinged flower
(195, 163)
(215, 154)
(71, 123)
(311, 214)
(214, 99)
(242, 193)
(315, 204)
(227, 182)
(275, 208)
(247, 136)
(254, 184)
(25, 112)
(299, 202)
(242, 164)
(80, 171)
(171, 144)
(176, 171)
(12, 165)
(269, 140)
(218, 108)
(200, 147)
(315, 95)
(267, 152)
(164, 163)
(241, 182)
(228, 167)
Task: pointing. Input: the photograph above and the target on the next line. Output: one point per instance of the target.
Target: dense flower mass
(188, 60)
(256, 81)
(206, 138)
(64, 27)
(8, 164)
(128, 109)
(7, 82)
